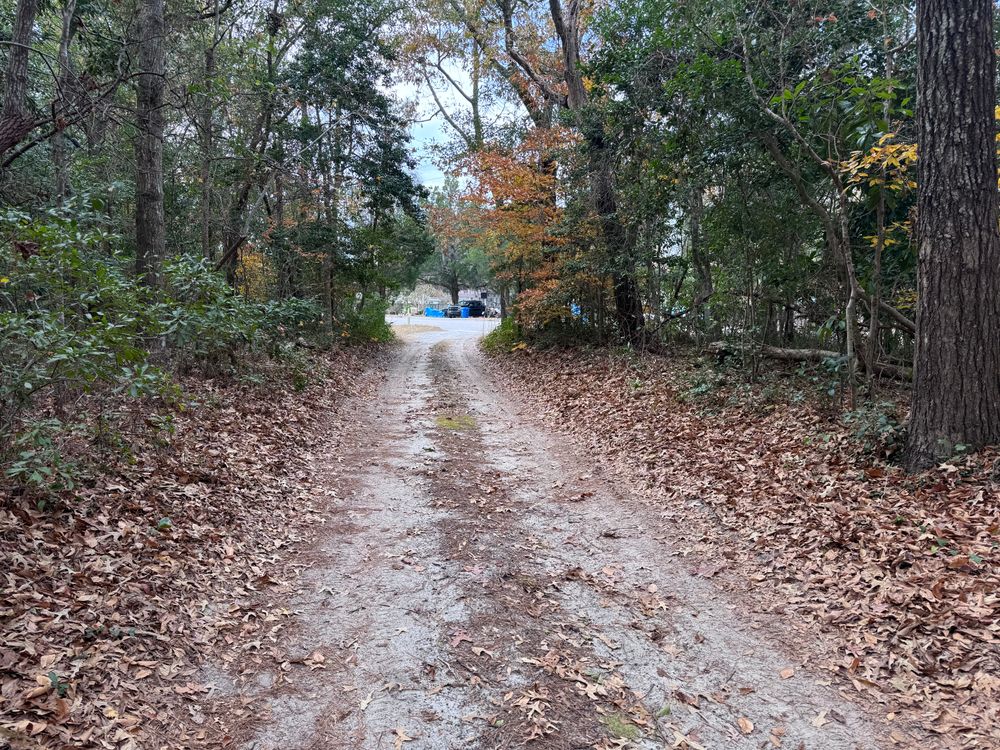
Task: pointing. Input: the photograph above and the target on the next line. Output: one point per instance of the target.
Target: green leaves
(75, 324)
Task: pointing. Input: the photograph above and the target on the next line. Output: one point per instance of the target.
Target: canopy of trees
(190, 185)
(629, 171)
(742, 174)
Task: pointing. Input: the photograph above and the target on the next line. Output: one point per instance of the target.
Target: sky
(424, 135)
(429, 128)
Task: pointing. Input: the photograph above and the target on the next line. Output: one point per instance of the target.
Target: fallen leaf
(820, 719)
(401, 737)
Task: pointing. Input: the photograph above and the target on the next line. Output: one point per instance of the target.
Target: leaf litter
(779, 501)
(112, 598)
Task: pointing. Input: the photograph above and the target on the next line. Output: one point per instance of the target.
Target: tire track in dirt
(479, 587)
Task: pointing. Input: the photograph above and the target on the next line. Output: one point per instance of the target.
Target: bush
(367, 325)
(503, 338)
(71, 320)
(74, 322)
(703, 385)
(68, 313)
(206, 325)
(876, 428)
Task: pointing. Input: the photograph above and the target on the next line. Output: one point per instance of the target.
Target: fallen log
(723, 348)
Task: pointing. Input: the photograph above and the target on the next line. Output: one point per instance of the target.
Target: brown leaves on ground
(904, 569)
(112, 599)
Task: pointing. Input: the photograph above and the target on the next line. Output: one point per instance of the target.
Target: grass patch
(619, 726)
(404, 329)
(457, 422)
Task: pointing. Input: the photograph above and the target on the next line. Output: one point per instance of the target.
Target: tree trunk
(206, 145)
(15, 118)
(324, 159)
(722, 349)
(699, 262)
(239, 218)
(150, 229)
(956, 394)
(876, 300)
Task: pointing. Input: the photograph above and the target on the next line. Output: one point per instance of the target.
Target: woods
(746, 260)
(148, 150)
(647, 173)
(744, 173)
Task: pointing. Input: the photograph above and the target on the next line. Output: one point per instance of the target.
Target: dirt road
(480, 586)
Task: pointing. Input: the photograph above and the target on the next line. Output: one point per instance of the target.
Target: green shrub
(70, 316)
(204, 324)
(71, 324)
(503, 338)
(876, 427)
(366, 325)
(75, 322)
(703, 384)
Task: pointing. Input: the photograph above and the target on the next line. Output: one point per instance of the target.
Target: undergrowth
(92, 358)
(503, 338)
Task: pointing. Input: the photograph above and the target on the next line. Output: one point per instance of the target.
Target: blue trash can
(465, 312)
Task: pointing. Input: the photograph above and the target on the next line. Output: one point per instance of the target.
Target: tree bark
(875, 306)
(885, 369)
(64, 95)
(16, 121)
(150, 229)
(956, 394)
(206, 144)
(700, 263)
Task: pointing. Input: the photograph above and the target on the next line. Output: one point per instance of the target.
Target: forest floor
(431, 548)
(112, 595)
(482, 582)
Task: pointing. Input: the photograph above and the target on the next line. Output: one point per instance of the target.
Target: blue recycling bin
(465, 312)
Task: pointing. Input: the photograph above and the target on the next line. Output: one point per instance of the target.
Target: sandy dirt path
(480, 586)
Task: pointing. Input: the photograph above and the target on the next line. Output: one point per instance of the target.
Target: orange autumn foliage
(519, 214)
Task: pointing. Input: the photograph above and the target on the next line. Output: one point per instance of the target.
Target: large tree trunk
(956, 394)
(16, 121)
(150, 230)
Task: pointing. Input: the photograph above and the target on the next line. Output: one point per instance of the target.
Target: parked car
(476, 307)
(453, 311)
